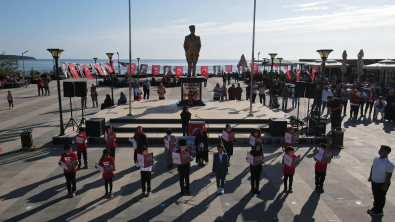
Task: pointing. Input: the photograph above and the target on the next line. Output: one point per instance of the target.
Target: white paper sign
(224, 135)
(253, 139)
(288, 160)
(79, 139)
(320, 154)
(63, 165)
(99, 168)
(250, 158)
(176, 158)
(288, 138)
(140, 160)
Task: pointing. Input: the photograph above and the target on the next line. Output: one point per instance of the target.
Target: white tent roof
(384, 64)
(328, 63)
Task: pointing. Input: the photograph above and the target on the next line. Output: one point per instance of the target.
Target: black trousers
(220, 179)
(262, 97)
(319, 179)
(344, 106)
(85, 155)
(184, 179)
(370, 105)
(247, 95)
(224, 81)
(324, 104)
(146, 93)
(228, 80)
(108, 182)
(253, 98)
(11, 104)
(361, 104)
(336, 121)
(291, 179)
(40, 88)
(47, 90)
(112, 151)
(378, 196)
(135, 156)
(354, 109)
(255, 176)
(70, 182)
(145, 180)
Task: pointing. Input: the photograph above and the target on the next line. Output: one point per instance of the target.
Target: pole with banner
(130, 62)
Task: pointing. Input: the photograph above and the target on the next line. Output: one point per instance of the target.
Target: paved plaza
(32, 185)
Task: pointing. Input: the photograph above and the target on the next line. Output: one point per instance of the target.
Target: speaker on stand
(311, 90)
(81, 90)
(68, 91)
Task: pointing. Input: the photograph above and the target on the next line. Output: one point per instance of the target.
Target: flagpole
(252, 63)
(130, 63)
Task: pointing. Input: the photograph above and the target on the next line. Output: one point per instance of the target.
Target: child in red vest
(81, 141)
(110, 137)
(70, 160)
(320, 171)
(291, 131)
(288, 171)
(108, 164)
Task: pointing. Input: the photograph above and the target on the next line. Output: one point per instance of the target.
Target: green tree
(8, 65)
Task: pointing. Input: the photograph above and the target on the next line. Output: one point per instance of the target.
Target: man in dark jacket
(232, 92)
(239, 91)
(220, 168)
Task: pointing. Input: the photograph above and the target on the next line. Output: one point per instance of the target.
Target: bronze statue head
(192, 29)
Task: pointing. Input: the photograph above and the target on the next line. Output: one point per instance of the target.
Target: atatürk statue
(192, 48)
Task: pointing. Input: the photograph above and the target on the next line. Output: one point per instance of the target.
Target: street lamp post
(272, 56)
(95, 68)
(23, 58)
(56, 54)
(138, 65)
(112, 82)
(324, 53)
(118, 64)
(252, 62)
(258, 60)
(279, 70)
(264, 64)
(130, 61)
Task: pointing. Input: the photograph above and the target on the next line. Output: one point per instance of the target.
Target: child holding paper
(320, 171)
(110, 137)
(81, 141)
(185, 169)
(201, 144)
(256, 133)
(220, 168)
(228, 145)
(168, 152)
(288, 171)
(69, 160)
(108, 164)
(290, 130)
(145, 173)
(256, 170)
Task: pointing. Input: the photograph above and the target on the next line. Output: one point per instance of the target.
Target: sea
(46, 65)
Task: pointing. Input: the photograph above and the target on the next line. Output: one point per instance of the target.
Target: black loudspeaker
(95, 127)
(277, 126)
(321, 128)
(300, 88)
(311, 90)
(80, 89)
(68, 89)
(337, 137)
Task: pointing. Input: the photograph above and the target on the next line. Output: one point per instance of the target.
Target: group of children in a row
(220, 164)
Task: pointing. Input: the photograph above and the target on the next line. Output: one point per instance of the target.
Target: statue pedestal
(193, 84)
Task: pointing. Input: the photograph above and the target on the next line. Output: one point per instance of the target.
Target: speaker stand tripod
(307, 130)
(71, 122)
(82, 122)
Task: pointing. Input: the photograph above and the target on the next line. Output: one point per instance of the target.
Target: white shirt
(255, 89)
(378, 102)
(380, 169)
(220, 157)
(361, 94)
(137, 90)
(325, 95)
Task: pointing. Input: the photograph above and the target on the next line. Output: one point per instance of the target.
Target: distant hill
(18, 57)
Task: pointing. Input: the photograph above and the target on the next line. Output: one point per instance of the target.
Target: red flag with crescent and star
(204, 71)
(73, 71)
(297, 75)
(99, 69)
(255, 67)
(87, 72)
(313, 73)
(108, 67)
(289, 74)
(179, 71)
(133, 69)
(275, 65)
(155, 70)
(228, 68)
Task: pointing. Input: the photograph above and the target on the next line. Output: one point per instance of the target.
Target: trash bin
(338, 137)
(26, 138)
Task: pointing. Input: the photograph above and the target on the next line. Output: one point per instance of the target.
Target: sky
(294, 29)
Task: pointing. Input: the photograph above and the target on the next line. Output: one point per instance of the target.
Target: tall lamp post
(138, 65)
(118, 64)
(23, 58)
(56, 54)
(258, 60)
(264, 64)
(272, 56)
(324, 53)
(95, 68)
(279, 70)
(252, 62)
(112, 90)
(130, 61)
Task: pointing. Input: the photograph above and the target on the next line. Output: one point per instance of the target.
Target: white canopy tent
(328, 64)
(382, 65)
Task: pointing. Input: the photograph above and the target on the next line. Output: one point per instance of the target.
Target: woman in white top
(379, 106)
(327, 92)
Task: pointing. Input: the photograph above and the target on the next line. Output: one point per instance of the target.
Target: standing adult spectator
(229, 75)
(237, 76)
(371, 98)
(389, 111)
(344, 95)
(146, 88)
(379, 107)
(135, 84)
(10, 99)
(327, 92)
(285, 94)
(185, 118)
(262, 97)
(317, 98)
(338, 91)
(94, 95)
(248, 90)
(363, 99)
(46, 86)
(294, 98)
(141, 142)
(224, 95)
(354, 103)
(40, 84)
(232, 92)
(335, 109)
(380, 177)
(239, 91)
(161, 92)
(224, 78)
(168, 76)
(201, 143)
(217, 92)
(254, 91)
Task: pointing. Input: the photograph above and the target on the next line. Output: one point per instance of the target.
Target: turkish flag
(255, 67)
(179, 71)
(155, 70)
(73, 71)
(87, 72)
(108, 67)
(99, 69)
(313, 72)
(297, 75)
(289, 74)
(204, 71)
(275, 65)
(133, 69)
(228, 68)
